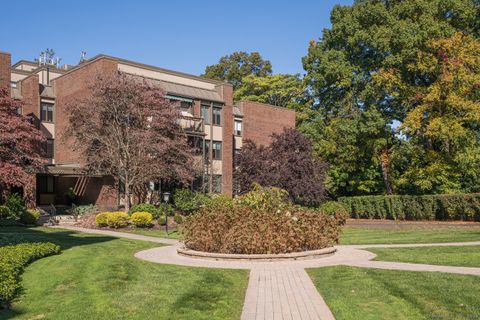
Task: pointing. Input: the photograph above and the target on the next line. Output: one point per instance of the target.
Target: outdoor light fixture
(166, 198)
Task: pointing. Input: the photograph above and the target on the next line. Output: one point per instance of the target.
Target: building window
(13, 84)
(217, 116)
(205, 113)
(238, 127)
(46, 112)
(46, 184)
(217, 150)
(217, 183)
(49, 148)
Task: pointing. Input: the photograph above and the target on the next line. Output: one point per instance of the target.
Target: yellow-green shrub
(118, 219)
(29, 216)
(141, 219)
(101, 219)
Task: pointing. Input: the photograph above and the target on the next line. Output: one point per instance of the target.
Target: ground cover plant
(98, 277)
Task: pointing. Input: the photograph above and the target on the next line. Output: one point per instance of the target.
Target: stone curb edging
(304, 255)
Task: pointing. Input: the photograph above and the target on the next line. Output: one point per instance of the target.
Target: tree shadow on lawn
(64, 238)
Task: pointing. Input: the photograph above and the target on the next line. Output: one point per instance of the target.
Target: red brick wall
(5, 65)
(31, 96)
(68, 88)
(261, 120)
(227, 145)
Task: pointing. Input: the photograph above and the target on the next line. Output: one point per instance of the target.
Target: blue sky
(180, 35)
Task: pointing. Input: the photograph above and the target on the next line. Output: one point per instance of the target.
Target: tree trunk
(127, 196)
(384, 162)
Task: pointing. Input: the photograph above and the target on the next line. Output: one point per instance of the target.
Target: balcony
(190, 124)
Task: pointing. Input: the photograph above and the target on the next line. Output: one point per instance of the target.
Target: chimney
(5, 66)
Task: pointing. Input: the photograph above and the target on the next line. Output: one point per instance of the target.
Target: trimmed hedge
(13, 259)
(426, 207)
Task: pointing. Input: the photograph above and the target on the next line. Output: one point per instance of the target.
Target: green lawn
(467, 256)
(370, 294)
(363, 235)
(97, 277)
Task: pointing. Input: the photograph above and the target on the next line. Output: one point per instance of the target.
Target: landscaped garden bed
(261, 222)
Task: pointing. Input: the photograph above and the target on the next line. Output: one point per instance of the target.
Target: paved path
(282, 289)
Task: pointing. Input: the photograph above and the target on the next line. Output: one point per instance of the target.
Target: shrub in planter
(246, 230)
(162, 221)
(217, 201)
(264, 198)
(29, 216)
(13, 259)
(118, 219)
(101, 219)
(141, 219)
(334, 208)
(178, 219)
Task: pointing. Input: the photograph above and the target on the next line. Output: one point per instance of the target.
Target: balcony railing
(191, 125)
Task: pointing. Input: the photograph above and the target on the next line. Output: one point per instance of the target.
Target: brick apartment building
(208, 116)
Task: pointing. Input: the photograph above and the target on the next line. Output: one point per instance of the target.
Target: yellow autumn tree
(445, 120)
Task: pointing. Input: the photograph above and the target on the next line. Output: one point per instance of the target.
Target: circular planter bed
(303, 255)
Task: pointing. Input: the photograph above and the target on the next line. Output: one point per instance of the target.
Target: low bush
(426, 207)
(29, 216)
(146, 207)
(117, 219)
(178, 219)
(141, 219)
(217, 201)
(334, 208)
(13, 259)
(4, 213)
(156, 212)
(264, 198)
(16, 205)
(186, 200)
(162, 221)
(101, 219)
(168, 207)
(259, 222)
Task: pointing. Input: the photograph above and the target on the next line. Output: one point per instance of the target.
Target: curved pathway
(282, 289)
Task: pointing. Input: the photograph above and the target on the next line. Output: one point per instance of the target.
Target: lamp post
(166, 199)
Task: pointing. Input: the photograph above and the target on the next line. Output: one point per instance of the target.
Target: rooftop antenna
(83, 55)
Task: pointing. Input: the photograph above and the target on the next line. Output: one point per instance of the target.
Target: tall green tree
(234, 67)
(283, 90)
(346, 72)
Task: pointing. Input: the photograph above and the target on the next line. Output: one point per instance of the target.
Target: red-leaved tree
(128, 129)
(20, 148)
(288, 163)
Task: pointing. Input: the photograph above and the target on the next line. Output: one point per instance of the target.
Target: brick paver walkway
(282, 289)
